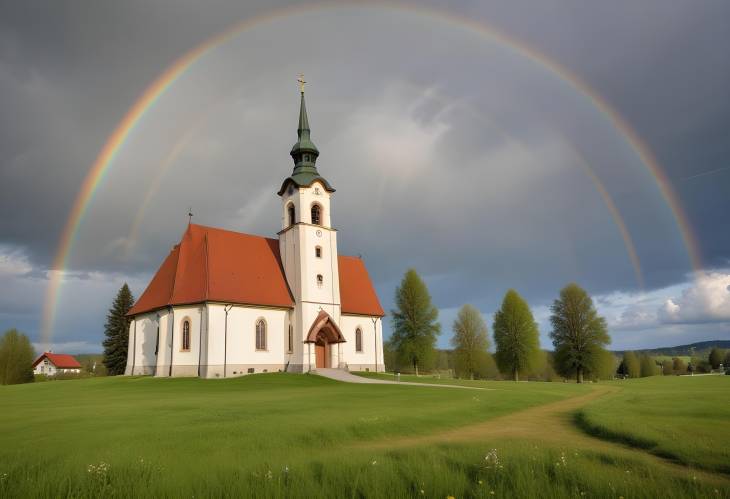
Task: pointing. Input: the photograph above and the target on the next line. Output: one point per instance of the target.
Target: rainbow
(171, 74)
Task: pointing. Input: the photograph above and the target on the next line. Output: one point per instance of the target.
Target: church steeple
(304, 152)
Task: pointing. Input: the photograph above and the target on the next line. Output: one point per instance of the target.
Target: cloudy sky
(465, 154)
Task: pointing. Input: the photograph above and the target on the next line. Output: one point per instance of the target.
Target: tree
(515, 336)
(579, 334)
(667, 367)
(648, 366)
(16, 358)
(632, 366)
(116, 330)
(678, 366)
(469, 341)
(726, 362)
(415, 325)
(716, 357)
(604, 367)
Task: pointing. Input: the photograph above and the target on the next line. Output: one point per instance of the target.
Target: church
(226, 304)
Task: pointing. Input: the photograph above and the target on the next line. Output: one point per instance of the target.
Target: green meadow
(283, 435)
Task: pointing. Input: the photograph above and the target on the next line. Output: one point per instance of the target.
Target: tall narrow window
(292, 214)
(318, 252)
(358, 340)
(186, 335)
(320, 280)
(290, 344)
(260, 335)
(316, 214)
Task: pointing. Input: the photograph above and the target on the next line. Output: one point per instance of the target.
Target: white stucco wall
(365, 360)
(141, 357)
(234, 353)
(49, 369)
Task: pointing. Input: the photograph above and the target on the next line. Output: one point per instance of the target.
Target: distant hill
(698, 348)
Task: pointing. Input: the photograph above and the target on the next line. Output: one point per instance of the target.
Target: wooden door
(320, 355)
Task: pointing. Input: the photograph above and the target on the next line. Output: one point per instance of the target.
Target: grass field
(279, 435)
(685, 418)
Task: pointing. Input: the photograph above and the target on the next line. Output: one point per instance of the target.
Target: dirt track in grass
(550, 424)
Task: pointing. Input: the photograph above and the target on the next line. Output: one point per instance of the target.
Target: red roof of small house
(220, 265)
(60, 360)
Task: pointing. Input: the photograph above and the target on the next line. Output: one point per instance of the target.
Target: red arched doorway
(324, 333)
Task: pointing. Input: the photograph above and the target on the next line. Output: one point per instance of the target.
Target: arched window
(186, 335)
(292, 214)
(260, 335)
(358, 340)
(316, 214)
(318, 252)
(320, 280)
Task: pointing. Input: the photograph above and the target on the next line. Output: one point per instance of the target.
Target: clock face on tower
(319, 233)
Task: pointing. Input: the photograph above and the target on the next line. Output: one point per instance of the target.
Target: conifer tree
(515, 336)
(579, 333)
(470, 341)
(415, 322)
(16, 358)
(116, 330)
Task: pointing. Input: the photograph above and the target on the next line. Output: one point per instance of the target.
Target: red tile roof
(357, 295)
(60, 360)
(219, 265)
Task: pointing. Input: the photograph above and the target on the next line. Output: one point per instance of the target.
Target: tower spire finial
(301, 82)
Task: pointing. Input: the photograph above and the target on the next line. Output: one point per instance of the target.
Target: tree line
(639, 365)
(579, 336)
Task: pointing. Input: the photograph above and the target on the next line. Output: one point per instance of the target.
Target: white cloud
(707, 299)
(13, 262)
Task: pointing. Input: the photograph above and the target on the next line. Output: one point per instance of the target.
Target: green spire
(304, 152)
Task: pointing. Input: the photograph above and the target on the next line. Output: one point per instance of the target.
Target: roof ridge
(177, 266)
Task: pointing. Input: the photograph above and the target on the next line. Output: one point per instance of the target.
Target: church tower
(308, 248)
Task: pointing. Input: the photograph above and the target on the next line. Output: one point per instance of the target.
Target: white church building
(226, 303)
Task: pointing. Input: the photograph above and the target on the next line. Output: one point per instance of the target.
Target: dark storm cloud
(433, 138)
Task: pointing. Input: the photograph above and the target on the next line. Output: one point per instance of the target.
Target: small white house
(51, 364)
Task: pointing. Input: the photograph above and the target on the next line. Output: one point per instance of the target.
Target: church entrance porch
(325, 334)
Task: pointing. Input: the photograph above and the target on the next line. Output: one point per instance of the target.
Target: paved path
(347, 377)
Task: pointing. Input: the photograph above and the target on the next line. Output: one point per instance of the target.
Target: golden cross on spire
(301, 82)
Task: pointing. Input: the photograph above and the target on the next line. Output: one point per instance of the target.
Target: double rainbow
(170, 75)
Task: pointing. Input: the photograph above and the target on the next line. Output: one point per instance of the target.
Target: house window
(318, 252)
(316, 214)
(291, 339)
(320, 280)
(260, 335)
(186, 336)
(358, 340)
(292, 214)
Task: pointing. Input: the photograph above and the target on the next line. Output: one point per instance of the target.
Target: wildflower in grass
(423, 492)
(4, 477)
(491, 492)
(450, 497)
(286, 469)
(374, 463)
(269, 475)
(492, 460)
(480, 482)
